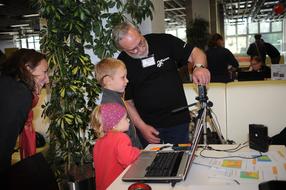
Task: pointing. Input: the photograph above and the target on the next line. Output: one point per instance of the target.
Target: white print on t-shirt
(149, 61)
(160, 62)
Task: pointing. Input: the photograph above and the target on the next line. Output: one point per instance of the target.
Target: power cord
(231, 150)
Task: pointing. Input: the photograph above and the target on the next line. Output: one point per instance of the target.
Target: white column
(201, 9)
(157, 24)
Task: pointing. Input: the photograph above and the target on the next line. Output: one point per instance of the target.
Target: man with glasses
(155, 87)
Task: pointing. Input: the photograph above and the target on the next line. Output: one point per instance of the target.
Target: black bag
(279, 139)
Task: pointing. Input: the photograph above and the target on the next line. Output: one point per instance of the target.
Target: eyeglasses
(138, 46)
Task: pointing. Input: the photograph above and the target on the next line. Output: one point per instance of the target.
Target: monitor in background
(278, 72)
(250, 76)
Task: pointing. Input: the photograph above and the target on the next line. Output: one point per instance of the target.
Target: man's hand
(150, 134)
(201, 76)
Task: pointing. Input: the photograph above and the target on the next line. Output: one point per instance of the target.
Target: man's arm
(198, 62)
(148, 132)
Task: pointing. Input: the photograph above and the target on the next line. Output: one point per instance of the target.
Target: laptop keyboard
(165, 164)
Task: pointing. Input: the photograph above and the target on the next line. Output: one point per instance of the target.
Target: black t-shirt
(157, 89)
(253, 50)
(271, 50)
(219, 58)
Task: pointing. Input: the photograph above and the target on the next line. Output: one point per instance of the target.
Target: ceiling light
(8, 33)
(19, 25)
(31, 15)
(172, 23)
(1, 4)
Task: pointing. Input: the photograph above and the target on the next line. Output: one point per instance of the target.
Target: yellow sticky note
(231, 163)
(249, 175)
(274, 170)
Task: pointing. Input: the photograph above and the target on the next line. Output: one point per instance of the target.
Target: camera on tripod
(202, 91)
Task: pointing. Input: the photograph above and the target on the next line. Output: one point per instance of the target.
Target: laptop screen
(250, 76)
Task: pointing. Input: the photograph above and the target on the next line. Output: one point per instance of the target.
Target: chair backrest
(32, 173)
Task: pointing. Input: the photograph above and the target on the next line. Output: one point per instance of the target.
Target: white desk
(198, 176)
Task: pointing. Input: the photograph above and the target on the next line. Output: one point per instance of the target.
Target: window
(230, 29)
(178, 32)
(182, 33)
(241, 44)
(253, 28)
(238, 36)
(173, 32)
(241, 28)
(31, 42)
(230, 43)
(276, 27)
(264, 27)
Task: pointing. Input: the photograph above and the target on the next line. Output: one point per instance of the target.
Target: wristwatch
(198, 66)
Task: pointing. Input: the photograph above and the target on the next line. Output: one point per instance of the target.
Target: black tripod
(204, 115)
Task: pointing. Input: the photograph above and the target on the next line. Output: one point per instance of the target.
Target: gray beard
(140, 56)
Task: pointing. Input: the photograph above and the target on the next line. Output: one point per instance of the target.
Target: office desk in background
(204, 176)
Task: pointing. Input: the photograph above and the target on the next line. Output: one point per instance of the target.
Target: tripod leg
(201, 122)
(214, 126)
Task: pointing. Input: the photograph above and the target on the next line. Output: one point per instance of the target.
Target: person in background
(111, 74)
(221, 62)
(22, 77)
(256, 65)
(260, 48)
(113, 150)
(2, 57)
(155, 87)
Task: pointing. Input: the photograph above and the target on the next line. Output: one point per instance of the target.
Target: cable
(232, 150)
(235, 149)
(216, 119)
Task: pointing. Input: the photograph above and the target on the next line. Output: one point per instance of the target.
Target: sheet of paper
(270, 166)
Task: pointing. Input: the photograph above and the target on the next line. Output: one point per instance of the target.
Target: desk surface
(205, 176)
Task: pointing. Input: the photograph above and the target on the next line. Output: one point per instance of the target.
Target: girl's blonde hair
(107, 67)
(95, 121)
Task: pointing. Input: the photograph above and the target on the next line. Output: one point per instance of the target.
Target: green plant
(72, 27)
(197, 32)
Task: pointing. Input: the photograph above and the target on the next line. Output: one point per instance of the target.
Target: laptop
(139, 171)
(250, 76)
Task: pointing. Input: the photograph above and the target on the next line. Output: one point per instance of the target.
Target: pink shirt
(111, 155)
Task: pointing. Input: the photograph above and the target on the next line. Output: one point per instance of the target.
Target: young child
(113, 151)
(111, 74)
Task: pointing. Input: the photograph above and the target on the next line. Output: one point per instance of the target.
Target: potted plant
(197, 32)
(72, 27)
